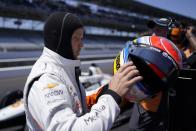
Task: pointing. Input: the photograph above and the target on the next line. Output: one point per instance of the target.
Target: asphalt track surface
(35, 54)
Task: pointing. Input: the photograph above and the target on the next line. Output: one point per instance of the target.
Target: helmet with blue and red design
(158, 61)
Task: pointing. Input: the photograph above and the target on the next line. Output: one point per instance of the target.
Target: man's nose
(81, 44)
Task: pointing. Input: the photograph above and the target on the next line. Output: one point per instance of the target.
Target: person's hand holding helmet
(124, 79)
(119, 85)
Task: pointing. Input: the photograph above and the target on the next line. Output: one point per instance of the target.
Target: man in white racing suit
(54, 99)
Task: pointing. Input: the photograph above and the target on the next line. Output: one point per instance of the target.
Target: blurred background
(108, 25)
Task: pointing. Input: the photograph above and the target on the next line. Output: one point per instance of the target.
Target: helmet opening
(158, 69)
(150, 81)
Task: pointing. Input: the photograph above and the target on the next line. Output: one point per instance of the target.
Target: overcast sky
(184, 7)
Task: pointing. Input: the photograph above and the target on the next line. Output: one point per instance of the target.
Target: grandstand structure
(126, 15)
(103, 19)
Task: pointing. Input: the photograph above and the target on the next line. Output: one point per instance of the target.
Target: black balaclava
(58, 31)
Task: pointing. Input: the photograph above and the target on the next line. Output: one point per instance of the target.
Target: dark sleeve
(142, 120)
(106, 90)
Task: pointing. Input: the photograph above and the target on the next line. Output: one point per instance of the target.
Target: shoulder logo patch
(51, 85)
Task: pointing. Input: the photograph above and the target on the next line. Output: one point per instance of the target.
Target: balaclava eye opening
(58, 31)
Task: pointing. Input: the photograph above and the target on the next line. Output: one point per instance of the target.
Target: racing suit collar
(56, 58)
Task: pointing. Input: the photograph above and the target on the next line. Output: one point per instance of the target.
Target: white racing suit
(54, 102)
